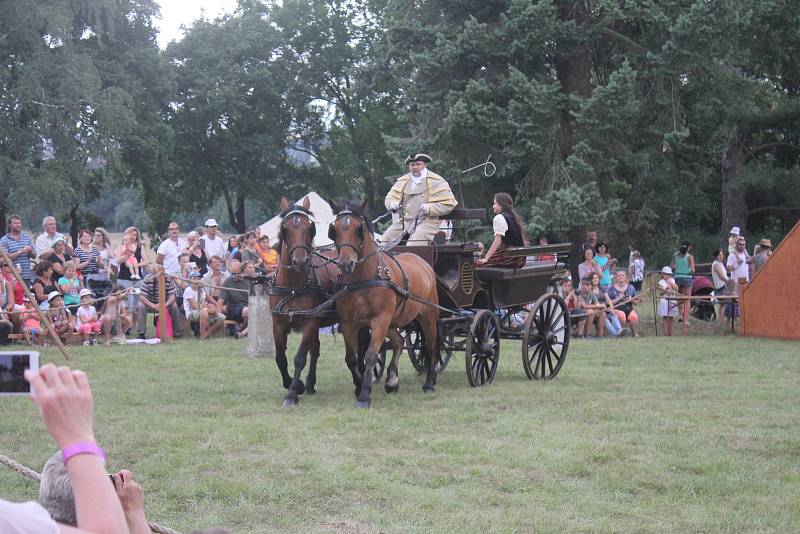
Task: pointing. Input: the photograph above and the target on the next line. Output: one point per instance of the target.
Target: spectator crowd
(602, 302)
(97, 289)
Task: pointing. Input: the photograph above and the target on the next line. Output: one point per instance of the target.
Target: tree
(74, 94)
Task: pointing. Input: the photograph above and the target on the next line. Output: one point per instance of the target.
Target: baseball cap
(211, 222)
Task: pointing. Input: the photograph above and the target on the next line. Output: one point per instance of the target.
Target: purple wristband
(86, 447)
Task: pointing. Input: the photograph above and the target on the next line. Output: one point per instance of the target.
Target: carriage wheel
(445, 344)
(415, 346)
(546, 338)
(380, 364)
(482, 348)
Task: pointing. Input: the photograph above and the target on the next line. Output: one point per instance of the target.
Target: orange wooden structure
(769, 303)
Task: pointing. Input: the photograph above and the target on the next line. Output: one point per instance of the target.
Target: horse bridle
(313, 231)
(358, 250)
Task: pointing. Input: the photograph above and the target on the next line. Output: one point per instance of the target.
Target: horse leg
(380, 326)
(392, 378)
(311, 377)
(297, 388)
(351, 357)
(280, 330)
(428, 322)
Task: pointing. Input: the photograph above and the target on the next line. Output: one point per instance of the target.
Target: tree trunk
(3, 222)
(733, 206)
(369, 189)
(236, 213)
(573, 66)
(74, 224)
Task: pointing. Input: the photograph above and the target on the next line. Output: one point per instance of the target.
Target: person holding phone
(64, 399)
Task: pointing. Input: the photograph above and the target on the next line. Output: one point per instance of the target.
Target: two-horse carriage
(415, 293)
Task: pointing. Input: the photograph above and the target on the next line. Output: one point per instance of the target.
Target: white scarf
(422, 175)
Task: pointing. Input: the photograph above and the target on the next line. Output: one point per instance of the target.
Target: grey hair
(55, 491)
(48, 218)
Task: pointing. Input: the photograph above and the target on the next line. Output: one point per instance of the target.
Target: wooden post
(45, 317)
(655, 308)
(260, 340)
(162, 308)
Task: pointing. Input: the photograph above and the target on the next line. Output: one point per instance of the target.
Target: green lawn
(679, 435)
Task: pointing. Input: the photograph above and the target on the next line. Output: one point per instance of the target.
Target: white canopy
(323, 217)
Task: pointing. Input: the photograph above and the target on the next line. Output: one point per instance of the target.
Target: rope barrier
(33, 475)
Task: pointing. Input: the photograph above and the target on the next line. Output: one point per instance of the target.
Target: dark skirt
(499, 259)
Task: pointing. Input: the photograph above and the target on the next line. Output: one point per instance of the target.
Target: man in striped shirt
(19, 247)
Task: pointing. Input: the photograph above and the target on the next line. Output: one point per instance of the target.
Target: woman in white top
(508, 232)
(719, 277)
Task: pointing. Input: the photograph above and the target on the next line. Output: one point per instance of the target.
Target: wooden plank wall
(770, 303)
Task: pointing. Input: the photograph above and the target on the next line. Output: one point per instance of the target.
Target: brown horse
(302, 281)
(378, 297)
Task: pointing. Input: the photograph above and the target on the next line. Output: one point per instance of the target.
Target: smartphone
(12, 369)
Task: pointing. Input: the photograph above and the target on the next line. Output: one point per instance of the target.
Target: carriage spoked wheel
(415, 346)
(380, 365)
(546, 338)
(482, 348)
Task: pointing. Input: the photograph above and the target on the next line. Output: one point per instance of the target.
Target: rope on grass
(33, 475)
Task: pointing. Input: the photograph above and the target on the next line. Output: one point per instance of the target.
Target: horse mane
(355, 207)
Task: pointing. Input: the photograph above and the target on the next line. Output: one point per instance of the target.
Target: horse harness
(382, 278)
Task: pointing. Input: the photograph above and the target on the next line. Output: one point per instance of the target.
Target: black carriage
(482, 305)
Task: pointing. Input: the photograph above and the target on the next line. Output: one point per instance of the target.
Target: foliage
(81, 84)
(682, 113)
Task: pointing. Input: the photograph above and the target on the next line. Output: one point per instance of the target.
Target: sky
(175, 13)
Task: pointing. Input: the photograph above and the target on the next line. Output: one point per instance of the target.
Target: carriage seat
(531, 267)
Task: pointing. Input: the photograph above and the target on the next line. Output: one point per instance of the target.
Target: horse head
(351, 229)
(297, 233)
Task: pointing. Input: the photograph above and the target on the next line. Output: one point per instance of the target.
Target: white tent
(323, 217)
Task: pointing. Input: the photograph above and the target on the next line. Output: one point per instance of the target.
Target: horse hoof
(310, 390)
(362, 404)
(391, 389)
(290, 401)
(428, 389)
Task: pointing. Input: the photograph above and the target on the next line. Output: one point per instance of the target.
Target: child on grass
(88, 320)
(667, 309)
(31, 322)
(62, 319)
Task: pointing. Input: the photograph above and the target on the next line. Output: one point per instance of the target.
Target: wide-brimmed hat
(418, 157)
(735, 231)
(667, 270)
(86, 291)
(765, 243)
(52, 295)
(211, 222)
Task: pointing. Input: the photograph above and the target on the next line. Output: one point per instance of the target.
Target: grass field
(645, 435)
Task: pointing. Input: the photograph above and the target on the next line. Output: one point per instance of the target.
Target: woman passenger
(508, 232)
